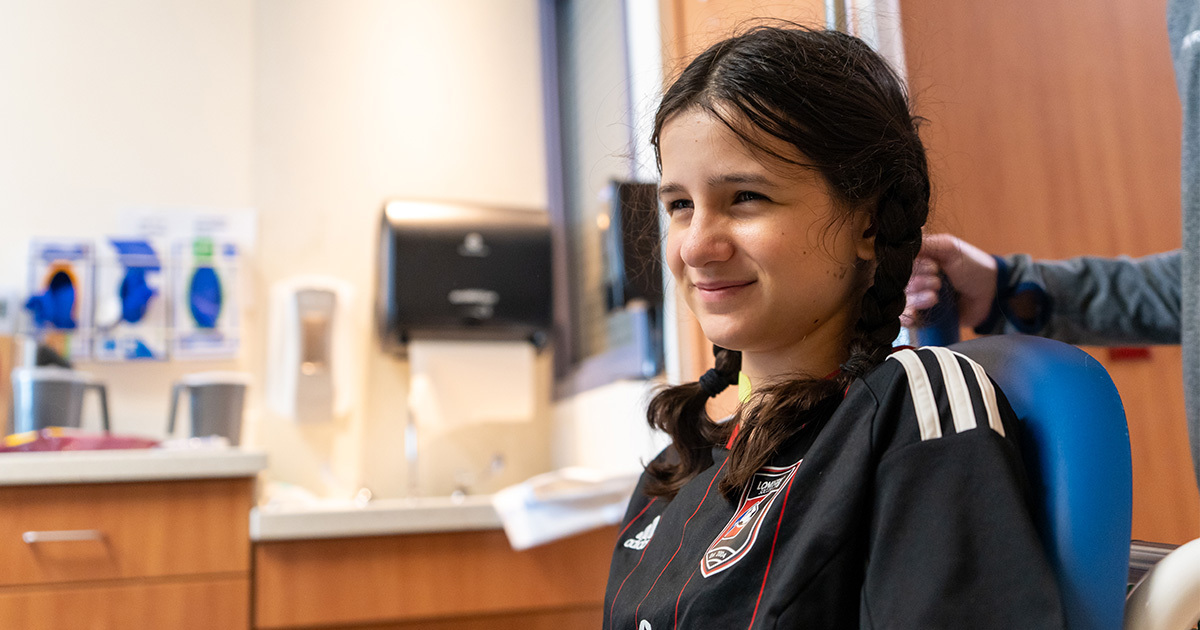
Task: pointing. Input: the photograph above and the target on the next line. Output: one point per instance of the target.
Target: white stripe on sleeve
(961, 409)
(989, 395)
(922, 393)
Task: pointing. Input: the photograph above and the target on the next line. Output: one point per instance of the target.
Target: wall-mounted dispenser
(465, 294)
(307, 375)
(459, 271)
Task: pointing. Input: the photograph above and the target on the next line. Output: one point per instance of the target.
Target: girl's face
(760, 252)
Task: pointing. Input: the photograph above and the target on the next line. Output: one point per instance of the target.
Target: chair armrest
(1168, 597)
(1143, 556)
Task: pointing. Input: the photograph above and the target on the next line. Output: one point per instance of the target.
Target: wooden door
(1054, 129)
(690, 26)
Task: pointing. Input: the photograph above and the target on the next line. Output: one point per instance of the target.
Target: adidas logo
(643, 537)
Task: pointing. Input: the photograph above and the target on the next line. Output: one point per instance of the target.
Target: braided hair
(846, 111)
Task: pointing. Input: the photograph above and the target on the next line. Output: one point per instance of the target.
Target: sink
(344, 518)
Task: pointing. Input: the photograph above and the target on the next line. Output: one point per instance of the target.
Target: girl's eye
(677, 204)
(746, 195)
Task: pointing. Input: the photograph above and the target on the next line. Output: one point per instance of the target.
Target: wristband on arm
(1023, 305)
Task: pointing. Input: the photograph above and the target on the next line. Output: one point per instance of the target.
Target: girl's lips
(716, 291)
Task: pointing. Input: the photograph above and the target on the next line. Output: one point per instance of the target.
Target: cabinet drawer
(75, 532)
(174, 605)
(421, 578)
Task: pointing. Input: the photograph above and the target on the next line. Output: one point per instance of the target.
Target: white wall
(313, 112)
(605, 428)
(107, 106)
(357, 101)
(116, 104)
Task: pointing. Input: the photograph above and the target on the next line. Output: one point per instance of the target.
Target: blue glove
(55, 305)
(204, 297)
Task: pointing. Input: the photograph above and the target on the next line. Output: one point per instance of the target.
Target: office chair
(1075, 443)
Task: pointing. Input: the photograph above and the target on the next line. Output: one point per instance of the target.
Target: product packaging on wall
(171, 292)
(205, 300)
(60, 294)
(132, 318)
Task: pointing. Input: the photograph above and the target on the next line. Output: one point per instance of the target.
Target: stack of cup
(217, 400)
(51, 396)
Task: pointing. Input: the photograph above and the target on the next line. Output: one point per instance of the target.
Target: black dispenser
(463, 271)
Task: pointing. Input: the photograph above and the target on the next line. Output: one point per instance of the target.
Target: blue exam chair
(1076, 447)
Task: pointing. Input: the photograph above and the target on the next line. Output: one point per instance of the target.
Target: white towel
(562, 503)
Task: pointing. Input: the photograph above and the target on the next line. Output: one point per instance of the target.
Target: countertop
(42, 468)
(546, 507)
(322, 518)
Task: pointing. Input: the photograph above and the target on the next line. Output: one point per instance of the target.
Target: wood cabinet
(120, 556)
(444, 581)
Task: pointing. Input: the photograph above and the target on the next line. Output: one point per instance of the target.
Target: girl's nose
(706, 239)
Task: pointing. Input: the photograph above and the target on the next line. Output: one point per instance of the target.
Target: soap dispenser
(306, 379)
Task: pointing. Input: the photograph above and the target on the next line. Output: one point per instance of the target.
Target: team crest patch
(738, 537)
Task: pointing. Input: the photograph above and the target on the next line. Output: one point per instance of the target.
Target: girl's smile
(714, 292)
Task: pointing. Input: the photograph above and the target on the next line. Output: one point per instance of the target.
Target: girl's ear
(864, 229)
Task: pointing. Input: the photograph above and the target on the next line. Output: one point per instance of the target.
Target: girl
(854, 487)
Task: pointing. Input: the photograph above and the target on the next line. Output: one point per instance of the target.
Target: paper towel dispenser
(461, 271)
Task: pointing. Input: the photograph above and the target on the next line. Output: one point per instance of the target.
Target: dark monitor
(633, 245)
(621, 331)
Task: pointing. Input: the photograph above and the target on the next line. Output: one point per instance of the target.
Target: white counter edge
(386, 517)
(43, 468)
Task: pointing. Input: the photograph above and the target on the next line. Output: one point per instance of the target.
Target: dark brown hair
(844, 109)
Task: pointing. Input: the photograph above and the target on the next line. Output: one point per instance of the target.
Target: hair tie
(713, 382)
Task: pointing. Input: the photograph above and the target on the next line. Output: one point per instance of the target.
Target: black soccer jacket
(903, 508)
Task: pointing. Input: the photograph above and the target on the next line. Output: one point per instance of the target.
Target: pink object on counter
(69, 439)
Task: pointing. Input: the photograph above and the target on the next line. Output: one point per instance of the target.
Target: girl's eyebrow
(669, 189)
(739, 178)
(720, 180)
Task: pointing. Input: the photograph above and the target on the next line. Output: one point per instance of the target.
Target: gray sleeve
(1092, 300)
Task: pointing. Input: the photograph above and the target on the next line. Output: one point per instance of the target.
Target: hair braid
(679, 411)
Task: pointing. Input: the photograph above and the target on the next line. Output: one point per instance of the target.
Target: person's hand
(969, 269)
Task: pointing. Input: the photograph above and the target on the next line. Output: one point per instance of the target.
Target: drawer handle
(62, 535)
